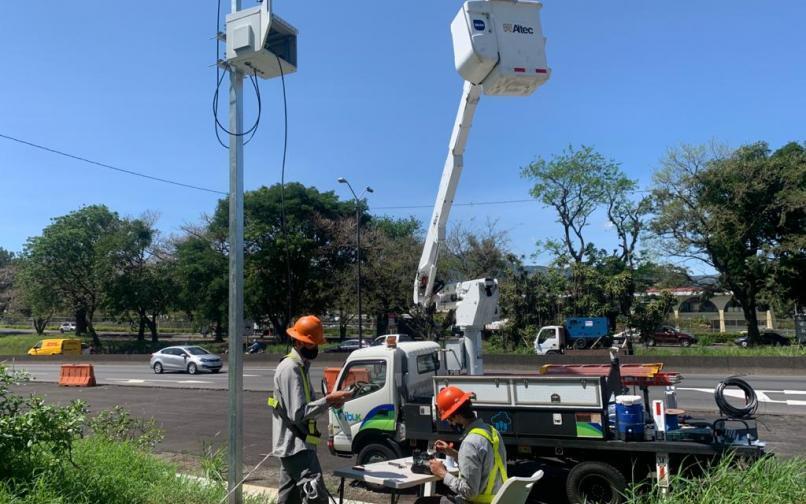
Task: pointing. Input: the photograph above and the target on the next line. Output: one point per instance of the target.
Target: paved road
(777, 394)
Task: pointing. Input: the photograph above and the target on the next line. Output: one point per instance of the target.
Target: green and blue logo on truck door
(589, 425)
(380, 417)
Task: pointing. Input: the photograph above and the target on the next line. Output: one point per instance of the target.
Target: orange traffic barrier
(77, 375)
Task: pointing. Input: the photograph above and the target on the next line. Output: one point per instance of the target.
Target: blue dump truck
(576, 332)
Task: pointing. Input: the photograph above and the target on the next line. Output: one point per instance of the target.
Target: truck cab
(550, 340)
(384, 378)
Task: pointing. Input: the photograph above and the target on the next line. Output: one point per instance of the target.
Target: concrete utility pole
(235, 329)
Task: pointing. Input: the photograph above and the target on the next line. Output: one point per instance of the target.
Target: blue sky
(130, 84)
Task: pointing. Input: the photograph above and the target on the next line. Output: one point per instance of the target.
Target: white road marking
(192, 381)
(760, 394)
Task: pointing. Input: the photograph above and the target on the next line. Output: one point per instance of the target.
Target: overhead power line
(472, 203)
(110, 167)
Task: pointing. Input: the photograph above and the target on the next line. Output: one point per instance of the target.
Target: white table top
(394, 474)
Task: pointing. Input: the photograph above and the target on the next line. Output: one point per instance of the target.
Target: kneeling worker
(294, 432)
(482, 456)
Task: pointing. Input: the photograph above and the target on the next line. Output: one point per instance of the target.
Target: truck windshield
(368, 376)
(544, 335)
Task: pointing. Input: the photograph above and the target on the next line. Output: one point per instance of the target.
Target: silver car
(185, 358)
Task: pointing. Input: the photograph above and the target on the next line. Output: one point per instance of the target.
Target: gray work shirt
(289, 391)
(476, 461)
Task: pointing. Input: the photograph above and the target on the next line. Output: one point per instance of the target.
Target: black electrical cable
(283, 228)
(108, 166)
(254, 127)
(751, 401)
(219, 78)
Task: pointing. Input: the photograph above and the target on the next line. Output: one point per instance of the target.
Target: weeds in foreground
(766, 481)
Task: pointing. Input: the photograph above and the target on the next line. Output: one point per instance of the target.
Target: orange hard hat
(450, 399)
(309, 330)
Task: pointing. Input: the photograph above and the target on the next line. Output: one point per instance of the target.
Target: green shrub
(214, 462)
(118, 425)
(34, 435)
(108, 472)
(766, 481)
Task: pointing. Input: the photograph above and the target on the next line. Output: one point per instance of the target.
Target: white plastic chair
(516, 490)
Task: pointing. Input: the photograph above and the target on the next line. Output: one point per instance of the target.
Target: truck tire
(595, 483)
(375, 452)
(580, 343)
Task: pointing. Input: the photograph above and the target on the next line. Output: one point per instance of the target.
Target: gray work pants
(290, 474)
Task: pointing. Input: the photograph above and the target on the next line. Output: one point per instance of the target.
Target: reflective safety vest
(499, 466)
(312, 435)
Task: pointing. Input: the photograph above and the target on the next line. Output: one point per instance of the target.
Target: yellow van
(56, 347)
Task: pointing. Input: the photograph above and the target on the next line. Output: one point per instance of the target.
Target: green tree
(575, 183)
(650, 312)
(529, 299)
(474, 253)
(143, 286)
(393, 248)
(73, 258)
(288, 268)
(740, 212)
(8, 270)
(6, 257)
(32, 298)
(201, 275)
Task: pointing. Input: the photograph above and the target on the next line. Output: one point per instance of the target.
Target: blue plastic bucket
(630, 417)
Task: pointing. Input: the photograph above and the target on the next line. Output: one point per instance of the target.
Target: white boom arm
(499, 49)
(426, 271)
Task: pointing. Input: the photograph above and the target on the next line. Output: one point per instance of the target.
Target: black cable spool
(731, 411)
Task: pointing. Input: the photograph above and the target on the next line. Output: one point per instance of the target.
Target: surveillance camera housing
(256, 38)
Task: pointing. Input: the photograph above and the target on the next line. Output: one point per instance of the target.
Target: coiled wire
(750, 399)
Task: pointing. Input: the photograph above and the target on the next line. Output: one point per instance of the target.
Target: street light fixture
(368, 189)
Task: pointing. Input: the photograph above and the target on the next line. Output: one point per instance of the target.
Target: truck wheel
(595, 483)
(375, 452)
(580, 344)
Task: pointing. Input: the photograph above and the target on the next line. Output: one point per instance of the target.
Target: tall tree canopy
(288, 268)
(73, 259)
(740, 212)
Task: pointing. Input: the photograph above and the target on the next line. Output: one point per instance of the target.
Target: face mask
(309, 353)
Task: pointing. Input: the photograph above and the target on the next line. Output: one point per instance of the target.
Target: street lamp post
(368, 189)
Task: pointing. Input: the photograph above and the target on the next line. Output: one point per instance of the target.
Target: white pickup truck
(550, 417)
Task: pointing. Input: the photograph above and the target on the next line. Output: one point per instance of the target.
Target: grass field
(17, 344)
(764, 482)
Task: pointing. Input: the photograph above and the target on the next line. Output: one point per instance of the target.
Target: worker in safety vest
(294, 408)
(482, 455)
